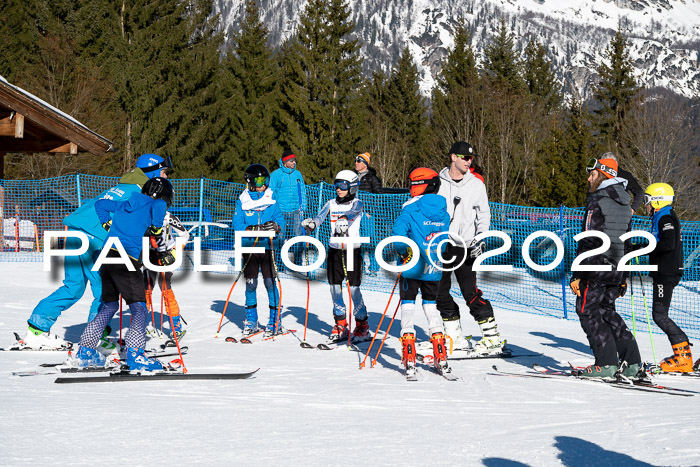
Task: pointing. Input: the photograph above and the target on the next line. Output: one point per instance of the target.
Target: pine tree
(321, 77)
(406, 112)
(539, 76)
(616, 93)
(251, 96)
(501, 61)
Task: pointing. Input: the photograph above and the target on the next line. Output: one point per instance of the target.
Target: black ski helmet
(254, 175)
(159, 188)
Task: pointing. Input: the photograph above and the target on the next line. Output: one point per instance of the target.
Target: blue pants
(77, 273)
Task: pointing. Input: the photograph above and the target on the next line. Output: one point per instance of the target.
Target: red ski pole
(362, 365)
(374, 362)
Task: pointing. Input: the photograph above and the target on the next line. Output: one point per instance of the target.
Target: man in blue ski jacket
(288, 188)
(423, 219)
(256, 210)
(77, 269)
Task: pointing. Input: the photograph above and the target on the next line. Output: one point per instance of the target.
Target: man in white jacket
(467, 204)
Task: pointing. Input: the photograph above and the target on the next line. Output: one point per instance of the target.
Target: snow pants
(77, 274)
(663, 293)
(607, 333)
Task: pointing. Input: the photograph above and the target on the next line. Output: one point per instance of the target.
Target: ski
(155, 353)
(343, 343)
(559, 374)
(20, 346)
(447, 375)
(162, 376)
(62, 370)
(247, 340)
(241, 337)
(467, 355)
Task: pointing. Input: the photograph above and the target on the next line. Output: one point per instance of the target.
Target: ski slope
(312, 407)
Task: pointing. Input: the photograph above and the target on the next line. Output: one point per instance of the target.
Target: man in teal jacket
(289, 190)
(77, 269)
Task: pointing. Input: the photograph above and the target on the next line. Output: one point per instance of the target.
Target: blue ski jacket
(256, 208)
(289, 189)
(131, 219)
(421, 219)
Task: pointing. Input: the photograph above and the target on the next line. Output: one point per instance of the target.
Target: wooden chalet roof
(28, 124)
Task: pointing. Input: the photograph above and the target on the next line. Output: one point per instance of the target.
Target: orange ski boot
(681, 361)
(439, 353)
(408, 341)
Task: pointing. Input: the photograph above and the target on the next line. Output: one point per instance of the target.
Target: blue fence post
(563, 263)
(77, 181)
(201, 203)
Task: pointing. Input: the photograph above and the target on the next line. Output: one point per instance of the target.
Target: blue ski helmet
(152, 164)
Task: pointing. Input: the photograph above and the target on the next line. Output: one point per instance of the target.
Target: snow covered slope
(310, 407)
(664, 34)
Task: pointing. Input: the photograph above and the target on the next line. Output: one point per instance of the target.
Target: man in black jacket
(368, 175)
(668, 257)
(607, 211)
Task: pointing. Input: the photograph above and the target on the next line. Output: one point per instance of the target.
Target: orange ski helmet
(423, 181)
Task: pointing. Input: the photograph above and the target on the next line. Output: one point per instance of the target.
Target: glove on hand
(476, 248)
(254, 228)
(623, 290)
(341, 226)
(271, 225)
(308, 224)
(406, 257)
(154, 231)
(107, 225)
(575, 284)
(166, 259)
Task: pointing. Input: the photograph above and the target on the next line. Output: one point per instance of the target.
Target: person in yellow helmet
(668, 257)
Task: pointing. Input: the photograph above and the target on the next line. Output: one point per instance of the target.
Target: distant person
(633, 187)
(371, 183)
(288, 188)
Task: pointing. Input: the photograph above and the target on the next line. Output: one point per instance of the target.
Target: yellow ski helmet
(658, 195)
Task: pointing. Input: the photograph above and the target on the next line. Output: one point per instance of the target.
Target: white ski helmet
(347, 180)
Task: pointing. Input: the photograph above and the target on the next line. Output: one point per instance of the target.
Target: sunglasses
(359, 159)
(594, 164)
(466, 158)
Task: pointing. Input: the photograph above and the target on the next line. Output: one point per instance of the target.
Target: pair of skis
(258, 336)
(643, 385)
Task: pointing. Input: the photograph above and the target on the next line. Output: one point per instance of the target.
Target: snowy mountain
(664, 35)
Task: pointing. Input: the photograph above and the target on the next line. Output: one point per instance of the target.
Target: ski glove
(575, 286)
(107, 225)
(166, 259)
(254, 227)
(271, 225)
(341, 226)
(308, 224)
(154, 231)
(406, 257)
(623, 290)
(476, 248)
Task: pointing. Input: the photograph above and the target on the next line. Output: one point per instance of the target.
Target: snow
(309, 407)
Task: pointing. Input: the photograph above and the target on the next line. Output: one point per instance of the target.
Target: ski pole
(308, 293)
(646, 309)
(374, 362)
(121, 342)
(362, 365)
(278, 318)
(634, 321)
(347, 281)
(223, 313)
(164, 287)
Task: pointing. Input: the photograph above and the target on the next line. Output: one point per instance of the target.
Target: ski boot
(681, 361)
(105, 346)
(340, 330)
(250, 325)
(453, 331)
(86, 357)
(439, 353)
(605, 373)
(36, 339)
(490, 343)
(136, 360)
(361, 332)
(273, 326)
(634, 372)
(408, 342)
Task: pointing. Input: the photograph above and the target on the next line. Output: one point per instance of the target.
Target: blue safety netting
(30, 207)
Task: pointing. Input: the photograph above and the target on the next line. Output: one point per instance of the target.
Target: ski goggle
(344, 185)
(648, 199)
(594, 164)
(166, 164)
(259, 181)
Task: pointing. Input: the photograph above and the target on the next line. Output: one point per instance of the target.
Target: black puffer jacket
(607, 211)
(668, 254)
(370, 182)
